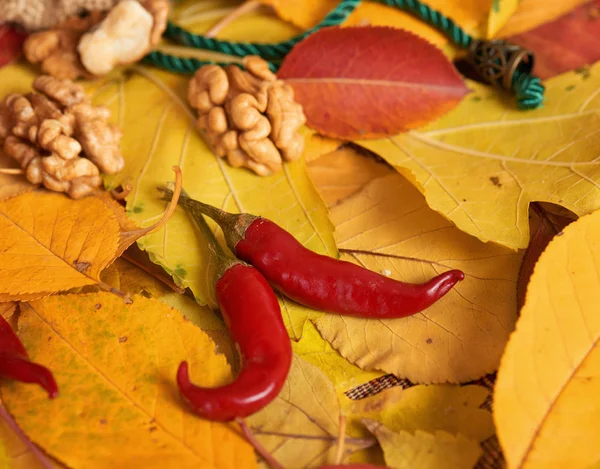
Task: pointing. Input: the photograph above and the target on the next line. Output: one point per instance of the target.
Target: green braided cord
(266, 51)
(185, 65)
(528, 89)
(434, 18)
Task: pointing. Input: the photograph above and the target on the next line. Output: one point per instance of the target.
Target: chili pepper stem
(234, 224)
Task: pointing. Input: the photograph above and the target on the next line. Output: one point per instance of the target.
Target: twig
(16, 171)
(34, 449)
(244, 8)
(124, 192)
(260, 449)
(341, 440)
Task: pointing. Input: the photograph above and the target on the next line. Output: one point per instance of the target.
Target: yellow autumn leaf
(471, 15)
(15, 453)
(300, 427)
(132, 280)
(450, 408)
(533, 13)
(389, 228)
(500, 13)
(149, 102)
(115, 365)
(545, 405)
(422, 450)
(483, 163)
(342, 173)
(343, 374)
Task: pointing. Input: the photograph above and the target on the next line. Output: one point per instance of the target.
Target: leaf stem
(260, 449)
(244, 8)
(341, 440)
(15, 171)
(34, 449)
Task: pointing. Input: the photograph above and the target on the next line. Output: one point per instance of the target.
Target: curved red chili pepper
(318, 281)
(15, 363)
(253, 316)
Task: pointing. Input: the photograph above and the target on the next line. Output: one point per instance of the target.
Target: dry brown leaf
(546, 406)
(389, 228)
(422, 450)
(115, 365)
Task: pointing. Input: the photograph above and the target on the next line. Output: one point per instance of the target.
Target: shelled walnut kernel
(58, 138)
(250, 117)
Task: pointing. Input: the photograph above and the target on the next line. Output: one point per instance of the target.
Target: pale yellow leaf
(343, 374)
(300, 427)
(342, 173)
(422, 450)
(153, 103)
(484, 162)
(115, 366)
(453, 409)
(546, 404)
(389, 228)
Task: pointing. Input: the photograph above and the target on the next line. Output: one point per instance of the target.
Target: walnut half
(249, 117)
(59, 138)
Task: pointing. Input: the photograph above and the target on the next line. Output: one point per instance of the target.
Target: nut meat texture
(58, 138)
(249, 117)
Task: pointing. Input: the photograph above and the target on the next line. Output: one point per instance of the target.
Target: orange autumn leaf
(11, 184)
(370, 82)
(51, 243)
(119, 405)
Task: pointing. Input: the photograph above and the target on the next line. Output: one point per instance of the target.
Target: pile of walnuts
(91, 45)
(250, 117)
(58, 138)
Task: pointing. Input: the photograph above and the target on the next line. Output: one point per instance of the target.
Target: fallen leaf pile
(409, 169)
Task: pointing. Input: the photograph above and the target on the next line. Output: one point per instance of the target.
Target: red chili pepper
(15, 364)
(253, 317)
(318, 281)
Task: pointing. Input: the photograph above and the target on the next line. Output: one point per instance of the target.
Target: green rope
(460, 37)
(528, 89)
(186, 65)
(266, 51)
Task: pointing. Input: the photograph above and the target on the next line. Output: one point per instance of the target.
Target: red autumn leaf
(369, 82)
(568, 43)
(11, 43)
